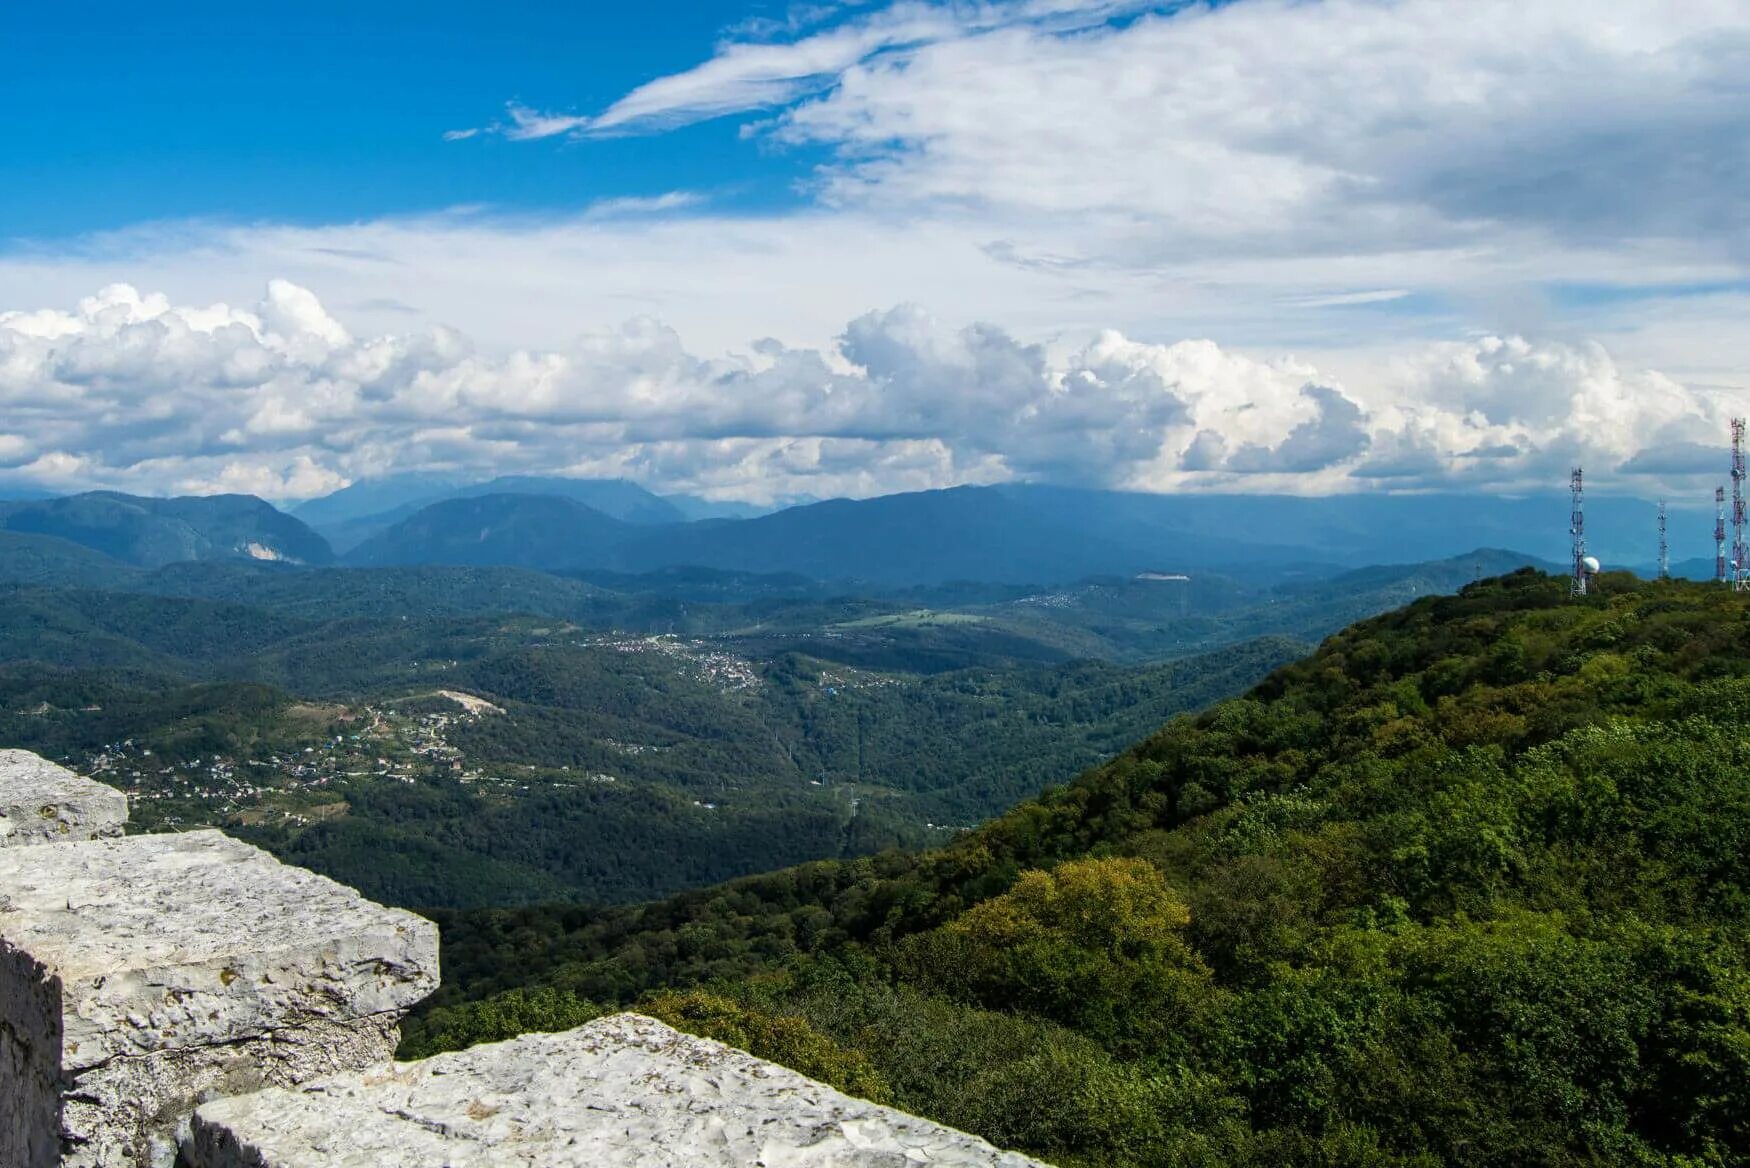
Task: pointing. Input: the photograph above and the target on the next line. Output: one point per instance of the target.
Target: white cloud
(1240, 171)
(755, 74)
(1345, 299)
(645, 205)
(1353, 182)
(281, 399)
(1263, 127)
(528, 125)
(1338, 126)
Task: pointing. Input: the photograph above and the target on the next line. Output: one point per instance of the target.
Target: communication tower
(1720, 534)
(1664, 546)
(1740, 561)
(1577, 529)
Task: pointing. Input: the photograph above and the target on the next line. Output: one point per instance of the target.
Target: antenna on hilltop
(1720, 534)
(1740, 565)
(1664, 547)
(1577, 529)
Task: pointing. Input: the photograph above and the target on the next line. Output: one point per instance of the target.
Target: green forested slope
(613, 767)
(1467, 886)
(150, 532)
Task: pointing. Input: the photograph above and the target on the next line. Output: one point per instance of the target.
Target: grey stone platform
(41, 803)
(139, 976)
(621, 1092)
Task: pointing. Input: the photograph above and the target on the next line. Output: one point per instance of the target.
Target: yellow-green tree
(1098, 944)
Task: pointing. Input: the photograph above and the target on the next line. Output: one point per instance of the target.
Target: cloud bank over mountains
(284, 400)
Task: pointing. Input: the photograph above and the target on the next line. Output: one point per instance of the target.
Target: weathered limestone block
(41, 803)
(621, 1092)
(140, 976)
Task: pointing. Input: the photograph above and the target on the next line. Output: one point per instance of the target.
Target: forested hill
(1466, 886)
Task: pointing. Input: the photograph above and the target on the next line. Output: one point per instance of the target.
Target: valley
(445, 735)
(513, 759)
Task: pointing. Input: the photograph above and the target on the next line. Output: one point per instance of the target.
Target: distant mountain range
(354, 514)
(526, 531)
(1019, 534)
(150, 533)
(1698, 568)
(1010, 534)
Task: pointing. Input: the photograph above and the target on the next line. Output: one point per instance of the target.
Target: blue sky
(761, 251)
(326, 111)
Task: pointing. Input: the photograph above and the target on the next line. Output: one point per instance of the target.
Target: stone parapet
(621, 1092)
(41, 803)
(141, 975)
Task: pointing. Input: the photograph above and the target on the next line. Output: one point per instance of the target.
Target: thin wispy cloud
(645, 205)
(1345, 299)
(528, 125)
(748, 75)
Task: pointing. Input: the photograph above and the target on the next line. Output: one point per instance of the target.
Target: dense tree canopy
(1466, 886)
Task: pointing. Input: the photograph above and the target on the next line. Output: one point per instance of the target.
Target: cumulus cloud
(1678, 459)
(1333, 435)
(282, 399)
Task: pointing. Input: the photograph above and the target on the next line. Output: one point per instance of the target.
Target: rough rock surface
(41, 803)
(135, 1111)
(621, 1092)
(140, 975)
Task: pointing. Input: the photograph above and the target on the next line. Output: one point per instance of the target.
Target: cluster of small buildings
(707, 663)
(389, 746)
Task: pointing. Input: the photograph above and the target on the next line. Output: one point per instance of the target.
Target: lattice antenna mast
(1740, 564)
(1577, 529)
(1720, 534)
(1664, 546)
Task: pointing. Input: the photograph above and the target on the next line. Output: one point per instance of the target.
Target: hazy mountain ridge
(528, 531)
(1010, 536)
(893, 540)
(152, 532)
(354, 514)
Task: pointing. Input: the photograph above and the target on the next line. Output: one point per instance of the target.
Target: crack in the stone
(283, 1035)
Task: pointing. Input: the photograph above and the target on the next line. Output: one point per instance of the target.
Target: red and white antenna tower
(1720, 534)
(1664, 546)
(1577, 529)
(1740, 564)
